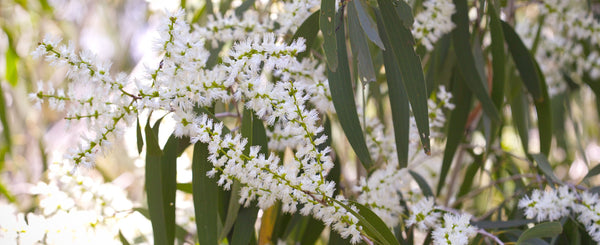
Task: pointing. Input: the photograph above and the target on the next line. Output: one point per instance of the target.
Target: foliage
(279, 120)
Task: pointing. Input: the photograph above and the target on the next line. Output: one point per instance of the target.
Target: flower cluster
(433, 22)
(554, 204)
(73, 209)
(568, 29)
(453, 228)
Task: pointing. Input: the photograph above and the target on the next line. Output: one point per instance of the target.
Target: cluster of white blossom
(554, 204)
(73, 209)
(453, 228)
(382, 190)
(569, 37)
(433, 22)
(182, 82)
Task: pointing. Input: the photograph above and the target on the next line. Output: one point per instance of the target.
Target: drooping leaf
(523, 61)
(466, 61)
(544, 165)
(243, 231)
(593, 172)
(308, 30)
(367, 24)
(342, 95)
(168, 164)
(498, 57)
(122, 239)
(205, 196)
(422, 183)
(456, 124)
(140, 140)
(232, 210)
(371, 223)
(327, 23)
(409, 66)
(543, 110)
(548, 229)
(398, 99)
(267, 225)
(153, 184)
(360, 48)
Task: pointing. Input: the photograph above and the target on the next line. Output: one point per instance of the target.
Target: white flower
(455, 230)
(424, 214)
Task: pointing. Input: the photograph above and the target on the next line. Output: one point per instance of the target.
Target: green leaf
(205, 196)
(398, 100)
(422, 183)
(543, 110)
(545, 167)
(371, 223)
(6, 193)
(327, 22)
(498, 57)
(367, 24)
(409, 66)
(308, 30)
(5, 126)
(593, 172)
(456, 124)
(154, 186)
(140, 140)
(467, 183)
(232, 210)
(185, 187)
(342, 95)
(12, 60)
(523, 61)
(360, 48)
(123, 239)
(548, 229)
(466, 60)
(243, 231)
(168, 166)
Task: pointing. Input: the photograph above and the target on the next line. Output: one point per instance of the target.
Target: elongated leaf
(422, 183)
(6, 193)
(12, 60)
(367, 24)
(360, 47)
(544, 165)
(371, 223)
(5, 125)
(267, 225)
(548, 229)
(398, 99)
(140, 140)
(327, 23)
(185, 187)
(520, 114)
(523, 61)
(205, 196)
(168, 164)
(498, 56)
(409, 66)
(336, 239)
(308, 30)
(456, 124)
(243, 232)
(232, 210)
(467, 183)
(466, 61)
(593, 172)
(543, 110)
(154, 186)
(123, 239)
(342, 95)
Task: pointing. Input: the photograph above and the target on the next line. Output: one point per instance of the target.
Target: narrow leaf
(5, 125)
(267, 225)
(523, 61)
(456, 124)
(371, 223)
(140, 140)
(154, 185)
(123, 239)
(367, 24)
(168, 170)
(398, 99)
(422, 183)
(308, 30)
(360, 47)
(409, 66)
(232, 210)
(243, 232)
(498, 57)
(543, 110)
(185, 187)
(205, 196)
(328, 28)
(466, 61)
(544, 165)
(342, 95)
(593, 172)
(548, 229)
